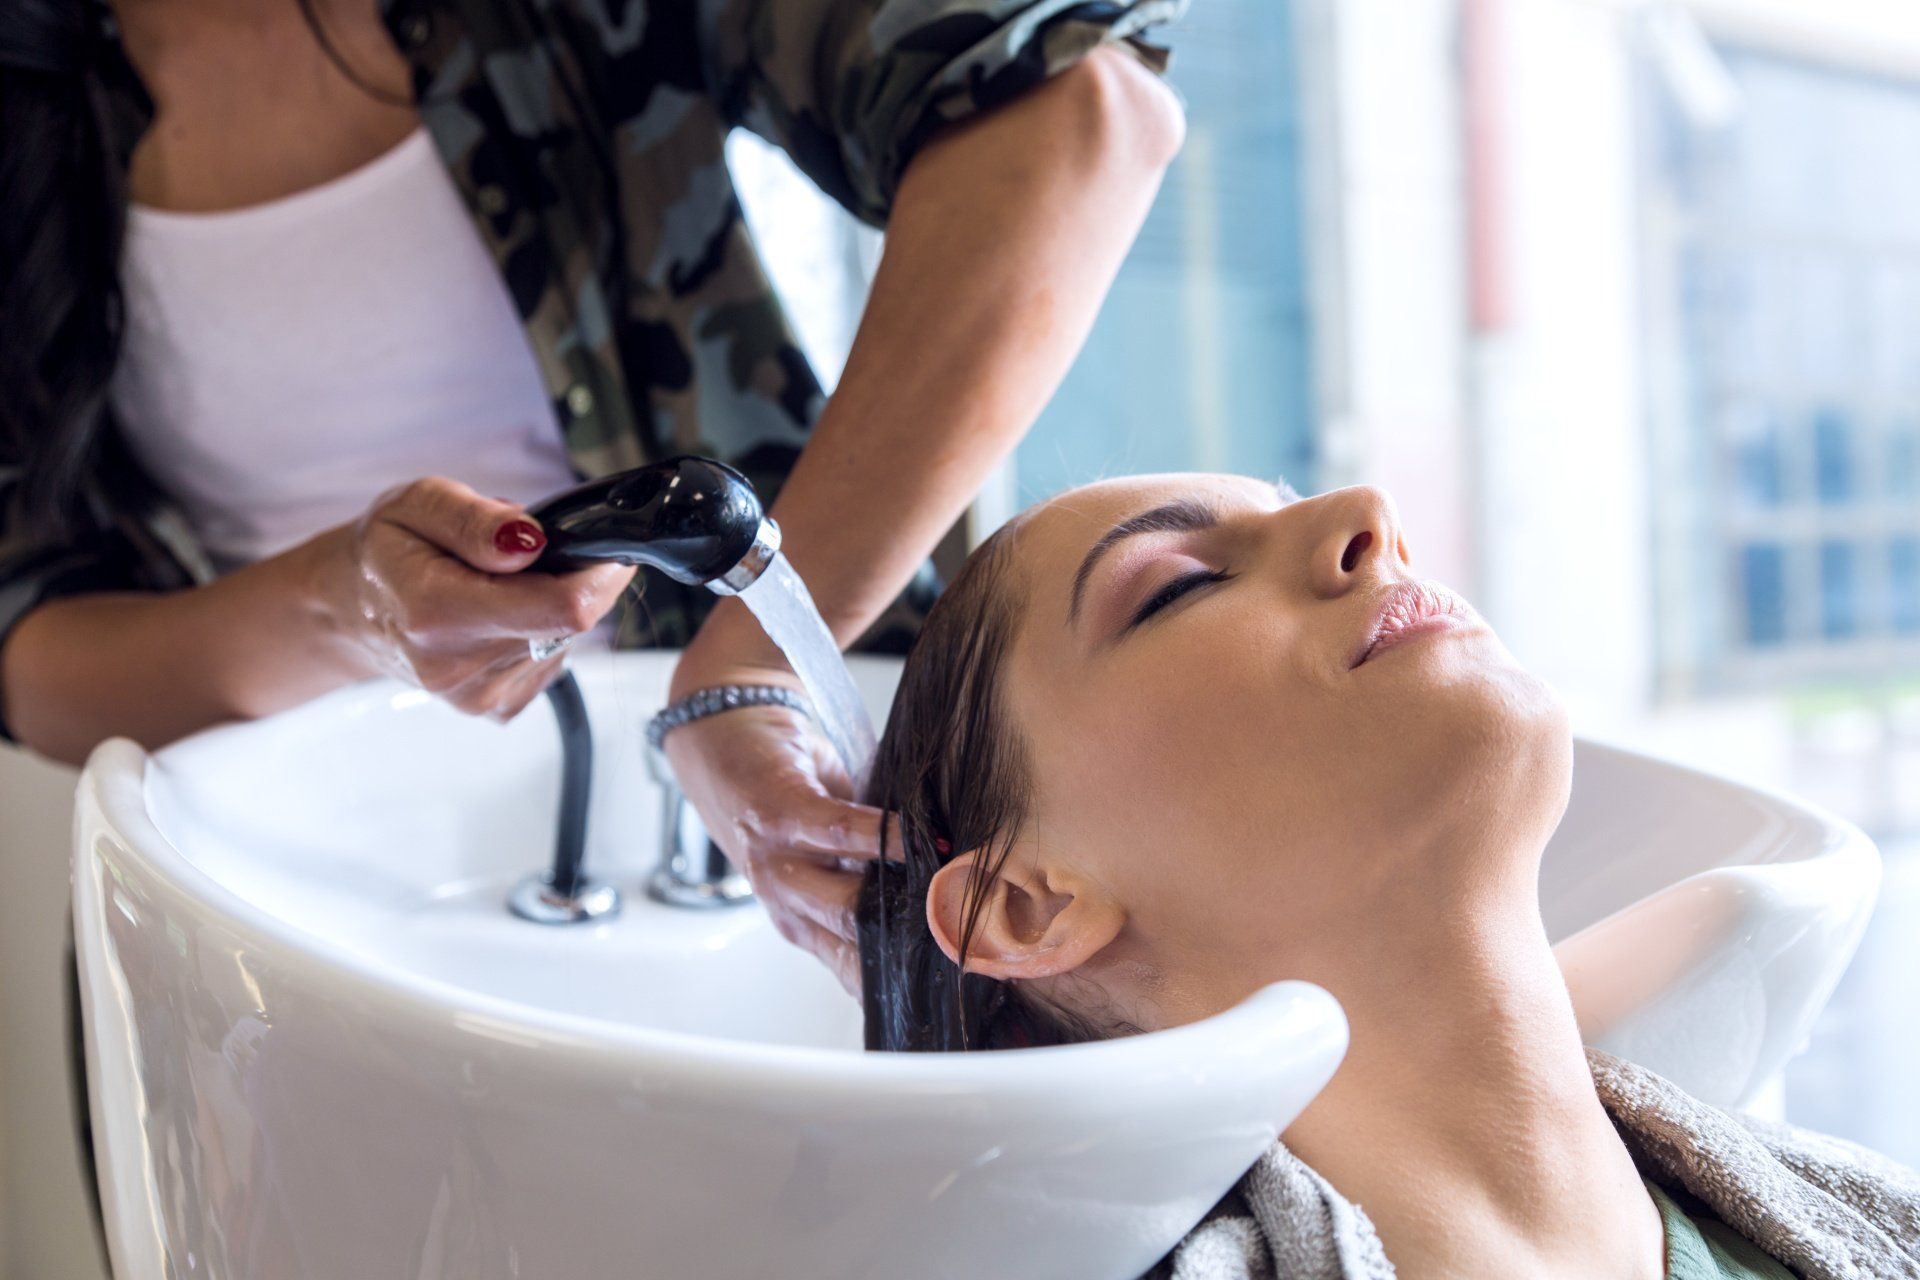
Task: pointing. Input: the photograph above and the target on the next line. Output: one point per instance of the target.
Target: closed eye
(1179, 587)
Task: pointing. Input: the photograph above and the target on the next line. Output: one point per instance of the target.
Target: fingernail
(516, 537)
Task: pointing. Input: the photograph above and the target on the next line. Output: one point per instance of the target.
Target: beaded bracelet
(723, 697)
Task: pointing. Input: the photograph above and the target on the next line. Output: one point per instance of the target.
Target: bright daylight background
(1622, 302)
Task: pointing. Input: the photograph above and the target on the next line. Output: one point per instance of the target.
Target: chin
(1520, 736)
(1484, 742)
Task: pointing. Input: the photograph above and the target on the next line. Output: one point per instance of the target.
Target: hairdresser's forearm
(155, 667)
(1005, 236)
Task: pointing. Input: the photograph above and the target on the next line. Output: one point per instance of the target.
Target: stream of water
(780, 600)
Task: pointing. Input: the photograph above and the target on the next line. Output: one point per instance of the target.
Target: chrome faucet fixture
(693, 871)
(699, 522)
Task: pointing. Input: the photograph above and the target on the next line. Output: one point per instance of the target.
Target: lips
(1409, 607)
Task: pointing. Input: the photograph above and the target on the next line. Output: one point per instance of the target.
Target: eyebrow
(1183, 516)
(1187, 515)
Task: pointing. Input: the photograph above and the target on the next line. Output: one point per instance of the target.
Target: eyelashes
(1175, 589)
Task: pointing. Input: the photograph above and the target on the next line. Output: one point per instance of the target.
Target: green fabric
(1701, 1247)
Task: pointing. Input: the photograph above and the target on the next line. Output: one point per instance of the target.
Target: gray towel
(1829, 1209)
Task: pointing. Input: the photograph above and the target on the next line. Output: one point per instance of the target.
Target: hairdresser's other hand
(427, 586)
(773, 794)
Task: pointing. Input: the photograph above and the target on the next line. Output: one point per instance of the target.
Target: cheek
(1200, 740)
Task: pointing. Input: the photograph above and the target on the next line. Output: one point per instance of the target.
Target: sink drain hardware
(693, 870)
(535, 899)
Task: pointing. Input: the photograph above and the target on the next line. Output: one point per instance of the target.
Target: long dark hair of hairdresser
(950, 765)
(62, 216)
(64, 154)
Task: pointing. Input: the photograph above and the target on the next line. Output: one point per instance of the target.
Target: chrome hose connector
(747, 570)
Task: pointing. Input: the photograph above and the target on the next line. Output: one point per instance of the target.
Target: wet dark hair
(953, 767)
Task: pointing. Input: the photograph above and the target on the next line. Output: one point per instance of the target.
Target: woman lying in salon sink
(1168, 739)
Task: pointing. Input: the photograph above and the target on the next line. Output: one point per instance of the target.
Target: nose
(1359, 539)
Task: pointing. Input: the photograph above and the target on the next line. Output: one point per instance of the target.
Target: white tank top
(286, 362)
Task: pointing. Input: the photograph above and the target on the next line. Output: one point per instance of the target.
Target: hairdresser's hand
(426, 586)
(773, 794)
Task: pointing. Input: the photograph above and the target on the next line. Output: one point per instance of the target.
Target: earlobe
(1030, 925)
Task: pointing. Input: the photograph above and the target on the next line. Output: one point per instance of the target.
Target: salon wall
(1386, 227)
(46, 1231)
(5, 1234)
(1543, 507)
(1506, 389)
(1498, 398)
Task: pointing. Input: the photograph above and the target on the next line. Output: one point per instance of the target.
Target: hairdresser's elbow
(1130, 112)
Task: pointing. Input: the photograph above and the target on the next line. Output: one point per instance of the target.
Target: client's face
(1222, 789)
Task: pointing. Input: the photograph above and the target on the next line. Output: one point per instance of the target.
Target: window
(1199, 360)
(1785, 249)
(821, 259)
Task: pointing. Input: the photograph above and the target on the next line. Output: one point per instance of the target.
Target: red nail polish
(516, 537)
(942, 845)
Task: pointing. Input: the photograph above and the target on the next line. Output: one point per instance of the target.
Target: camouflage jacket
(586, 137)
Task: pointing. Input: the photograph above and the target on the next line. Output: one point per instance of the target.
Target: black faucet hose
(693, 519)
(576, 782)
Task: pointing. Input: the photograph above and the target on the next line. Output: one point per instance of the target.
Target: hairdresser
(301, 302)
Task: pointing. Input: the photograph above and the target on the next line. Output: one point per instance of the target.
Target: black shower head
(696, 520)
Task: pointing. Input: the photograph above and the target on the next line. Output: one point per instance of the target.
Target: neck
(1464, 1119)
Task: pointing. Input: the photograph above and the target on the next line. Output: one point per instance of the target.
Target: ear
(1034, 920)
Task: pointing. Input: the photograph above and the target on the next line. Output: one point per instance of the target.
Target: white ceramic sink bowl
(319, 1048)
